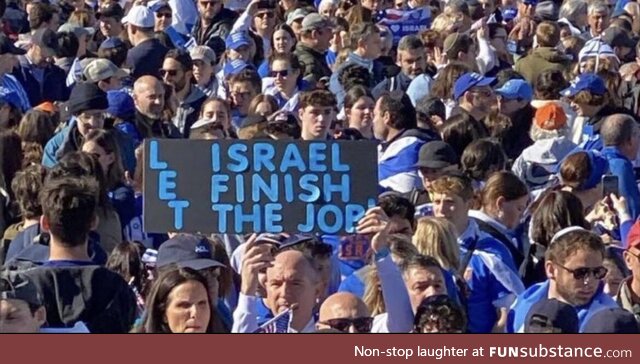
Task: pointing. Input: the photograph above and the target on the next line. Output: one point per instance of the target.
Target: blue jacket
(621, 166)
(520, 309)
(66, 141)
(52, 88)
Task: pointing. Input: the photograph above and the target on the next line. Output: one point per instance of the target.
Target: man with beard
(148, 96)
(412, 62)
(177, 71)
(574, 270)
(214, 25)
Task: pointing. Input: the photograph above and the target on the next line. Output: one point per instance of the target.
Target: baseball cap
(596, 48)
(113, 10)
(614, 320)
(234, 67)
(296, 239)
(100, 69)
(156, 5)
(516, 89)
(203, 53)
(17, 286)
(296, 15)
(237, 40)
(111, 42)
(316, 21)
(45, 38)
(618, 37)
(436, 154)
(585, 82)
(140, 16)
(121, 104)
(552, 316)
(633, 238)
(550, 117)
(530, 2)
(468, 81)
(76, 29)
(187, 251)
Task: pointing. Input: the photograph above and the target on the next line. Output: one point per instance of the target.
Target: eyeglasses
(581, 274)
(283, 73)
(361, 324)
(171, 73)
(164, 15)
(267, 14)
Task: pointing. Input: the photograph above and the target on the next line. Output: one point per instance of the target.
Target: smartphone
(512, 46)
(609, 185)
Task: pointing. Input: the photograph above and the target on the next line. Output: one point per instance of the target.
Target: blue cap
(187, 250)
(234, 67)
(296, 239)
(237, 40)
(112, 42)
(10, 97)
(586, 82)
(509, 14)
(120, 104)
(469, 80)
(516, 89)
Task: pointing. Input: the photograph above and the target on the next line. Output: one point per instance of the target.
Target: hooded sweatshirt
(542, 59)
(537, 164)
(524, 302)
(574, 122)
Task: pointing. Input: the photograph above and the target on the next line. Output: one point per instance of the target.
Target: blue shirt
(621, 166)
(11, 83)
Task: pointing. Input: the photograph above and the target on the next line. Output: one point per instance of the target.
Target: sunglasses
(164, 15)
(361, 324)
(266, 14)
(168, 72)
(283, 73)
(204, 4)
(581, 274)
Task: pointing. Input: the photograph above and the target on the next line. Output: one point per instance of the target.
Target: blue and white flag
(405, 22)
(277, 325)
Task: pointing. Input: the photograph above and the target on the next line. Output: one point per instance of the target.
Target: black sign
(237, 187)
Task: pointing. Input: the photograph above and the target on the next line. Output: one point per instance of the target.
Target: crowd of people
(508, 155)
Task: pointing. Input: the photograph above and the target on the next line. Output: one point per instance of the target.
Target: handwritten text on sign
(257, 186)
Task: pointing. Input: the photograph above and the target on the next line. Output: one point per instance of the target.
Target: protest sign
(405, 22)
(236, 187)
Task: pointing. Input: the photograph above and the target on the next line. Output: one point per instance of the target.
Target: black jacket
(214, 35)
(53, 87)
(150, 128)
(92, 294)
(314, 64)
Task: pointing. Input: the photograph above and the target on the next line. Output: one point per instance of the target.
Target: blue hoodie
(622, 167)
(520, 309)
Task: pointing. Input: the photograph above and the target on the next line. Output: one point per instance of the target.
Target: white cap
(140, 16)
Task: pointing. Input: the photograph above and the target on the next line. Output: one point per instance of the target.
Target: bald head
(617, 129)
(343, 305)
(148, 94)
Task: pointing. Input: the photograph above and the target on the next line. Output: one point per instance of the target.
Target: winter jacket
(542, 59)
(537, 165)
(314, 64)
(214, 35)
(189, 110)
(52, 88)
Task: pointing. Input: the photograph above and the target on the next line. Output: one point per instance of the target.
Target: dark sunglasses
(268, 14)
(581, 274)
(207, 3)
(361, 324)
(164, 15)
(168, 72)
(283, 73)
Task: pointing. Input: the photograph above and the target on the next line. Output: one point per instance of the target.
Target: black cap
(45, 38)
(552, 316)
(87, 96)
(7, 46)
(612, 321)
(436, 154)
(618, 37)
(16, 286)
(113, 10)
(188, 251)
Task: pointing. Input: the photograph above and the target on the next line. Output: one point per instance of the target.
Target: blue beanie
(120, 104)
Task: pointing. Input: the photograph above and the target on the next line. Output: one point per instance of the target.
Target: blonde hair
(447, 22)
(435, 237)
(372, 296)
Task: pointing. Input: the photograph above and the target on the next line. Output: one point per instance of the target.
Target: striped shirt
(11, 83)
(397, 164)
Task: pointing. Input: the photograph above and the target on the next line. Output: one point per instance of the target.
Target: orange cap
(47, 107)
(550, 117)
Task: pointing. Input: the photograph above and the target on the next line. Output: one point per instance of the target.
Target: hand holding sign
(257, 257)
(375, 222)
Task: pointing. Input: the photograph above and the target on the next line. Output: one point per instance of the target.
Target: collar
(614, 152)
(385, 145)
(309, 49)
(361, 61)
(470, 233)
(481, 215)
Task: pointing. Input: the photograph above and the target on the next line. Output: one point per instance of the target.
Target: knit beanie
(87, 96)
